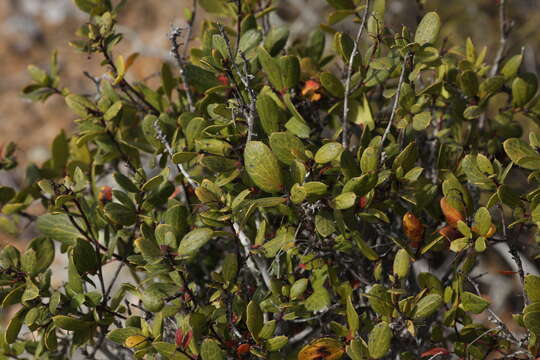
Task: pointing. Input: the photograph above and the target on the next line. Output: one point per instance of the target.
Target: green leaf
(482, 221)
(286, 147)
(531, 320)
(298, 288)
(268, 329)
(421, 120)
(364, 248)
(230, 267)
(14, 327)
(80, 105)
(473, 112)
(290, 71)
(522, 154)
(120, 335)
(324, 224)
(532, 287)
(317, 301)
(58, 227)
(85, 257)
(379, 340)
(270, 115)
(254, 319)
(511, 67)
(152, 299)
(428, 29)
(332, 85)
(194, 240)
(352, 316)
(249, 40)
(402, 263)
(344, 201)
(328, 152)
(427, 306)
(210, 350)
(276, 39)
(71, 323)
(380, 301)
(369, 160)
(271, 67)
(120, 214)
(468, 81)
(473, 303)
(523, 89)
(262, 167)
(276, 343)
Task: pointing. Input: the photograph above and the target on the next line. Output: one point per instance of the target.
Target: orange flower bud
(105, 194)
(413, 228)
(451, 214)
(310, 87)
(310, 90)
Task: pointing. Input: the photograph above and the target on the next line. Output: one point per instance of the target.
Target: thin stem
(504, 32)
(191, 24)
(345, 133)
(175, 51)
(394, 107)
(515, 254)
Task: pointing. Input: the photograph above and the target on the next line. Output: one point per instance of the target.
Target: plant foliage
(271, 196)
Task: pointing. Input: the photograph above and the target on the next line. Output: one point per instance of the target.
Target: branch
(175, 51)
(345, 138)
(394, 107)
(191, 24)
(515, 255)
(508, 335)
(504, 32)
(249, 111)
(256, 266)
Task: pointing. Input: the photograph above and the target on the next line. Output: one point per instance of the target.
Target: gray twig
(191, 24)
(504, 32)
(345, 131)
(175, 33)
(394, 107)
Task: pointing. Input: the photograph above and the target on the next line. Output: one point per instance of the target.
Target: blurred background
(31, 29)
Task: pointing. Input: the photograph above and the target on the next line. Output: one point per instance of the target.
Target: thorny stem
(345, 133)
(175, 51)
(394, 107)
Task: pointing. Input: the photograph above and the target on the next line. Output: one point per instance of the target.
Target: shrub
(270, 197)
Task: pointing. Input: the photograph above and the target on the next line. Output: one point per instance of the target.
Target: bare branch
(395, 106)
(345, 132)
(174, 35)
(505, 27)
(191, 25)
